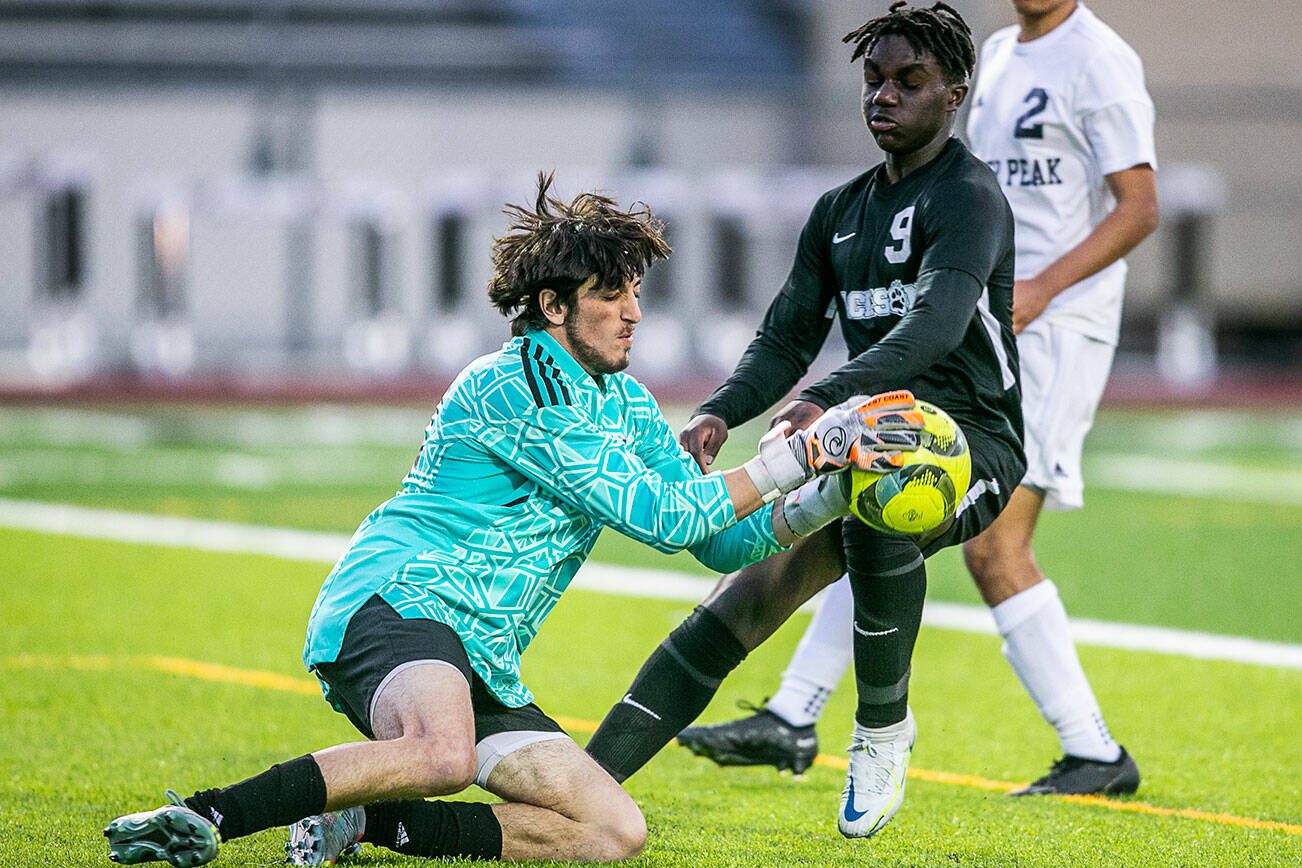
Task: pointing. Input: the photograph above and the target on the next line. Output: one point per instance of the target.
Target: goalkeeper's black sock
(674, 686)
(283, 794)
(435, 829)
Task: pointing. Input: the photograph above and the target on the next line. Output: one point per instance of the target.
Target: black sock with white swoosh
(888, 577)
(673, 687)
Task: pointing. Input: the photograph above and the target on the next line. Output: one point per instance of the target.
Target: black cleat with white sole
(1077, 776)
(763, 739)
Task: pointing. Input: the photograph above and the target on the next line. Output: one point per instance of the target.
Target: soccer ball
(923, 494)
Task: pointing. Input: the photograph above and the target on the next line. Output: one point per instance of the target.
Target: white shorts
(1063, 375)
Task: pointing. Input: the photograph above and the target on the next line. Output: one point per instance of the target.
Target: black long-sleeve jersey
(920, 273)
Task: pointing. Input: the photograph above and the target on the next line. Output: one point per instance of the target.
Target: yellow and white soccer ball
(924, 493)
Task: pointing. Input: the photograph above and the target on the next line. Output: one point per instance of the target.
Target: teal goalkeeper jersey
(526, 459)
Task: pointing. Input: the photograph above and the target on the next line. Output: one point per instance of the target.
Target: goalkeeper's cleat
(172, 833)
(322, 839)
(874, 783)
(763, 739)
(1077, 776)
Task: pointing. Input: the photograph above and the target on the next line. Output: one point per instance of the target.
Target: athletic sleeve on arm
(791, 334)
(931, 330)
(746, 542)
(965, 226)
(560, 449)
(963, 239)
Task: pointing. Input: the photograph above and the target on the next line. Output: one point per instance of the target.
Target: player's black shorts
(379, 643)
(997, 468)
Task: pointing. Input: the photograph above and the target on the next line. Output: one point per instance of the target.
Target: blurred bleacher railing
(253, 275)
(200, 188)
(247, 275)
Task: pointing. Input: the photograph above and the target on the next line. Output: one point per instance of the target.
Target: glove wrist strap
(764, 482)
(776, 470)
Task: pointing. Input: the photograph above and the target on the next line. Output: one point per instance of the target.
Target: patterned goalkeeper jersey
(526, 459)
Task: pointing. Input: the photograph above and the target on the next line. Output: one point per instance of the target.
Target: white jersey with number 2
(1052, 117)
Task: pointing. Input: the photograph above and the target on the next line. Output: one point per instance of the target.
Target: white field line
(322, 547)
(1189, 478)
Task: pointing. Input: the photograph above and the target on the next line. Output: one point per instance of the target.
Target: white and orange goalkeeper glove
(893, 426)
(870, 433)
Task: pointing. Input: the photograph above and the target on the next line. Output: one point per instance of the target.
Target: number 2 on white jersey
(901, 231)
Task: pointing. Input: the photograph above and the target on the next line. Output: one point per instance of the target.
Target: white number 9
(901, 231)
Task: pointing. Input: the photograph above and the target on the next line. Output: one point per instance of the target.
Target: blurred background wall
(290, 191)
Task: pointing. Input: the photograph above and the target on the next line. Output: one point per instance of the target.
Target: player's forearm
(935, 326)
(792, 516)
(741, 398)
(782, 531)
(780, 524)
(746, 498)
(1132, 220)
(763, 377)
(788, 341)
(807, 493)
(751, 539)
(811, 507)
(675, 514)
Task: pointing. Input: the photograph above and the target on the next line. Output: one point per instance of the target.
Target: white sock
(1038, 645)
(883, 734)
(824, 653)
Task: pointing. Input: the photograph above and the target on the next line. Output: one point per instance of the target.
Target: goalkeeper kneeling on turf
(417, 633)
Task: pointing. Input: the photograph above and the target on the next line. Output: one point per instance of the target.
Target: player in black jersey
(915, 257)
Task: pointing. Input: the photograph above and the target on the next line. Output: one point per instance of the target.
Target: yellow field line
(229, 674)
(937, 777)
(291, 684)
(172, 666)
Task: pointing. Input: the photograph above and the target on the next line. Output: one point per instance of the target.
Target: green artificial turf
(91, 731)
(1132, 555)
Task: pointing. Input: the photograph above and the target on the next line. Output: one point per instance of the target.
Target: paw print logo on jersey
(894, 300)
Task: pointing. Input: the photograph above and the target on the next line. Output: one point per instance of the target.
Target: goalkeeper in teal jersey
(527, 458)
(417, 633)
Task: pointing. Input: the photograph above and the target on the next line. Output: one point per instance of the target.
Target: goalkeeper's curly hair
(564, 245)
(940, 31)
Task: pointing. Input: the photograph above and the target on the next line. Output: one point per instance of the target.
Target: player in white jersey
(1061, 114)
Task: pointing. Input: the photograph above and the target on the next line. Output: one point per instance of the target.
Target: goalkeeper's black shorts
(379, 643)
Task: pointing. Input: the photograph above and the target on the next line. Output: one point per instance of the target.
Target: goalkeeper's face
(598, 331)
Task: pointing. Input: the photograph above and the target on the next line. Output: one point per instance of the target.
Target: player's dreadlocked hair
(562, 246)
(939, 31)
